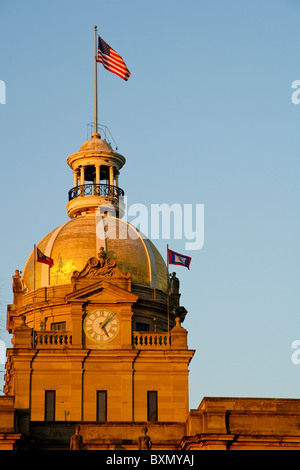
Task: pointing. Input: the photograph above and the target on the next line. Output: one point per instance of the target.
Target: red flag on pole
(41, 258)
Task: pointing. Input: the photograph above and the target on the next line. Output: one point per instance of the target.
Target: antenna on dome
(105, 134)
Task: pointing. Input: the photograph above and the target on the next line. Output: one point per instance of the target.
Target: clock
(101, 326)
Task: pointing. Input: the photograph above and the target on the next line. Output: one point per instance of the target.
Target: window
(141, 326)
(101, 405)
(49, 405)
(58, 326)
(152, 406)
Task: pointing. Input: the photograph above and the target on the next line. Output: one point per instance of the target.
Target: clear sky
(205, 118)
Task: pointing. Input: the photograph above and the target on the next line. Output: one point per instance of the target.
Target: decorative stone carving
(144, 441)
(174, 284)
(101, 267)
(76, 441)
(17, 288)
(174, 290)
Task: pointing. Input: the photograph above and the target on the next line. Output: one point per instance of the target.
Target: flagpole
(34, 267)
(168, 293)
(95, 134)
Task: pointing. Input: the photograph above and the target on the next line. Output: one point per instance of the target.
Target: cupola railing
(91, 189)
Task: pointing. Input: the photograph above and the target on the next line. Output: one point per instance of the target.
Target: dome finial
(96, 135)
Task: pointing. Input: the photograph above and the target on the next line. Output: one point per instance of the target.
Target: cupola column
(111, 175)
(82, 175)
(75, 173)
(98, 174)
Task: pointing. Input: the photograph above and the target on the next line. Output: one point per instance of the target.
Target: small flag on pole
(176, 258)
(111, 60)
(41, 258)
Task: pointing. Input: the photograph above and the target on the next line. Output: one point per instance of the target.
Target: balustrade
(140, 340)
(151, 340)
(51, 339)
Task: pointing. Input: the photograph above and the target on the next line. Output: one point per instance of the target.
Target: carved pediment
(101, 267)
(101, 292)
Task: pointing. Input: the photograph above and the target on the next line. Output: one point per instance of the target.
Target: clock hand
(105, 331)
(103, 324)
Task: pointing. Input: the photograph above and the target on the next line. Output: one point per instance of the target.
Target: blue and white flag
(181, 260)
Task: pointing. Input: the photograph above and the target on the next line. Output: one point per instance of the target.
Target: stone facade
(98, 341)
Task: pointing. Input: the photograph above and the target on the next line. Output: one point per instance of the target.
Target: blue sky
(206, 118)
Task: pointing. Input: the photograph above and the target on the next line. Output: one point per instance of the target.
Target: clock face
(101, 326)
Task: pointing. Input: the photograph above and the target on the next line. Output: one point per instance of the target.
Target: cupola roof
(96, 144)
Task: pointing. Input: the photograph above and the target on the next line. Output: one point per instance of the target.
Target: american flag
(111, 60)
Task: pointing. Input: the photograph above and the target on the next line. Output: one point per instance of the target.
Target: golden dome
(74, 242)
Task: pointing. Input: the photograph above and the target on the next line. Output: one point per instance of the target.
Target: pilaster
(76, 313)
